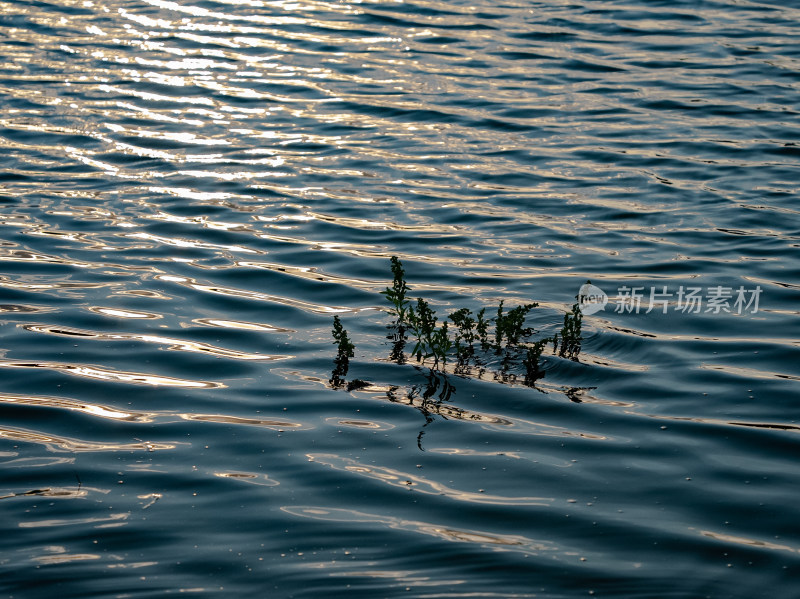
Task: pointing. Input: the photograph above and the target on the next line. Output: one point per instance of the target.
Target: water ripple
(190, 191)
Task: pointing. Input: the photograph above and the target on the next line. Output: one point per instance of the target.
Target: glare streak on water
(191, 190)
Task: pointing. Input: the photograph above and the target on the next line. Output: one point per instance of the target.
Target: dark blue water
(190, 191)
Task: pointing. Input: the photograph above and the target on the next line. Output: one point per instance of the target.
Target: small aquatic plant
(511, 325)
(570, 345)
(344, 346)
(396, 294)
(465, 334)
(533, 354)
(498, 328)
(398, 347)
(505, 334)
(430, 340)
(345, 351)
(441, 344)
(482, 328)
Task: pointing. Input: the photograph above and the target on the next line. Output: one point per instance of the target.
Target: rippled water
(190, 190)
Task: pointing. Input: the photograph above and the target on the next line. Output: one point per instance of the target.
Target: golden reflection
(23, 308)
(70, 522)
(611, 363)
(565, 226)
(59, 493)
(145, 21)
(240, 324)
(474, 452)
(143, 293)
(117, 313)
(486, 539)
(251, 94)
(149, 96)
(203, 220)
(145, 112)
(223, 419)
(107, 374)
(748, 372)
(28, 256)
(776, 426)
(152, 497)
(225, 17)
(188, 243)
(418, 483)
(311, 273)
(355, 249)
(220, 159)
(64, 444)
(63, 287)
(248, 477)
(365, 224)
(34, 462)
(226, 176)
(92, 241)
(65, 558)
(173, 344)
(64, 235)
(125, 148)
(89, 213)
(749, 542)
(255, 295)
(83, 157)
(69, 404)
(135, 565)
(185, 192)
(364, 424)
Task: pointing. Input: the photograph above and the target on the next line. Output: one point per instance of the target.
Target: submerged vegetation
(463, 337)
(570, 335)
(396, 294)
(345, 350)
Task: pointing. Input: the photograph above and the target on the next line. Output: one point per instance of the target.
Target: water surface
(190, 191)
